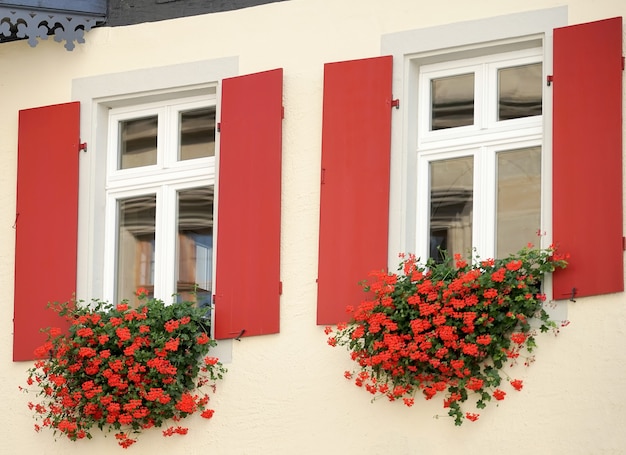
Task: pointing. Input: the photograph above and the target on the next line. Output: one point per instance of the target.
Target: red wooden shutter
(587, 157)
(247, 288)
(46, 221)
(354, 201)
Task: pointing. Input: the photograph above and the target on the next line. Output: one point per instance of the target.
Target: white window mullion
(169, 137)
(423, 209)
(165, 285)
(155, 182)
(484, 202)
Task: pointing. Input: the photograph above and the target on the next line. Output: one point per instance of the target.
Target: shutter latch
(550, 79)
(82, 146)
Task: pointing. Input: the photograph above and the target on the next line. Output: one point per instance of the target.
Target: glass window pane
(138, 142)
(519, 91)
(197, 134)
(451, 206)
(194, 249)
(452, 101)
(518, 214)
(135, 246)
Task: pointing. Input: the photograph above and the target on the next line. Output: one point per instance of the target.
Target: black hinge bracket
(219, 126)
(395, 103)
(280, 288)
(624, 243)
(623, 63)
(550, 79)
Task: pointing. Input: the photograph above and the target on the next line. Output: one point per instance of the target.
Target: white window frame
(415, 48)
(165, 179)
(482, 140)
(98, 95)
(485, 119)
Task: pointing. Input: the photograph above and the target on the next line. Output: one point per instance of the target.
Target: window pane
(194, 250)
(135, 246)
(138, 142)
(519, 91)
(451, 206)
(197, 134)
(452, 101)
(518, 199)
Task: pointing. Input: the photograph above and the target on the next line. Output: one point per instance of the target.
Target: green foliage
(448, 327)
(124, 369)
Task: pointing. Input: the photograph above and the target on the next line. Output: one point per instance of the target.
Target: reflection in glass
(451, 206)
(452, 101)
(518, 215)
(135, 246)
(197, 134)
(519, 91)
(137, 142)
(194, 248)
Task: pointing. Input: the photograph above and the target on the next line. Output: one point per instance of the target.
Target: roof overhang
(66, 20)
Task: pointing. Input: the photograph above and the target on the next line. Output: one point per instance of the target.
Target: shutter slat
(47, 220)
(587, 157)
(249, 189)
(354, 199)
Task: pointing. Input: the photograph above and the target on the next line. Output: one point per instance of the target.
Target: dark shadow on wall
(127, 12)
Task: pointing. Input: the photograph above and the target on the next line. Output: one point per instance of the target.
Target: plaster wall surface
(285, 393)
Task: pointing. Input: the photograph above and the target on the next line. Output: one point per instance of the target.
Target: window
(479, 141)
(160, 200)
(137, 203)
(465, 149)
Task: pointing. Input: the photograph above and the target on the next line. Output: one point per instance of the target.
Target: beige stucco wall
(285, 393)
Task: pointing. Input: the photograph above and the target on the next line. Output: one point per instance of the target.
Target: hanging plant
(124, 369)
(448, 328)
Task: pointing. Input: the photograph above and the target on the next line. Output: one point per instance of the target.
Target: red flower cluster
(447, 327)
(124, 369)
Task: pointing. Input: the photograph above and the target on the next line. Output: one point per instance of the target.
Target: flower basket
(448, 328)
(124, 369)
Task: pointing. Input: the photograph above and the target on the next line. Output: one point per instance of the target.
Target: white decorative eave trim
(16, 23)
